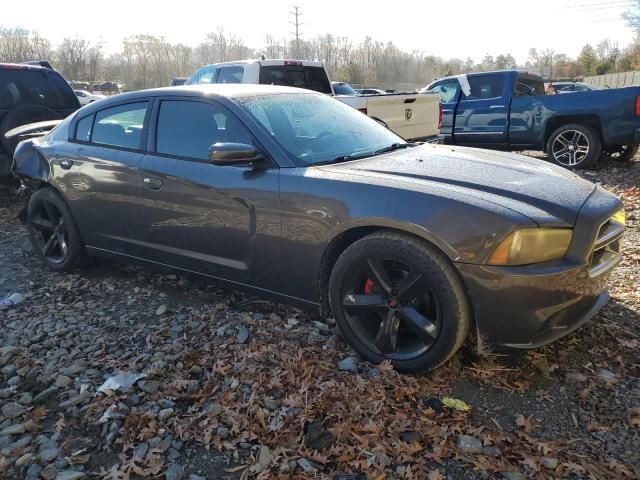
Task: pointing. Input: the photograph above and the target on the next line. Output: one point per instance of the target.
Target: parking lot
(238, 387)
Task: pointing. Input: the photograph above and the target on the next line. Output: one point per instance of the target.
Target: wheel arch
(588, 120)
(346, 237)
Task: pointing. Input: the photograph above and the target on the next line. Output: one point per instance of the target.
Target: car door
(223, 221)
(449, 91)
(481, 116)
(99, 174)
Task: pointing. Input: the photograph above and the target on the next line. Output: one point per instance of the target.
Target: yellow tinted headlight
(531, 245)
(619, 217)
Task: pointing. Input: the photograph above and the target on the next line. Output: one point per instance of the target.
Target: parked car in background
(412, 116)
(371, 91)
(87, 97)
(342, 88)
(509, 110)
(262, 187)
(567, 87)
(176, 82)
(28, 94)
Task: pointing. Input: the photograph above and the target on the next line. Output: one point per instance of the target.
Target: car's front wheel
(574, 146)
(397, 298)
(53, 232)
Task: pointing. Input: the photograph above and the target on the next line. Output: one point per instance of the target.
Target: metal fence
(614, 80)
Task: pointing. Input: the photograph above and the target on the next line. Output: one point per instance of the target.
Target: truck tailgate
(412, 116)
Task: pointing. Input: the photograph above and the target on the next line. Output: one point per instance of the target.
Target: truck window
(35, 87)
(204, 75)
(448, 90)
(485, 86)
(528, 87)
(312, 78)
(230, 74)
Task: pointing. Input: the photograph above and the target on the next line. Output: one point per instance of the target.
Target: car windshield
(315, 128)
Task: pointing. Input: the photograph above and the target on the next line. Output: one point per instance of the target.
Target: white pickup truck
(413, 116)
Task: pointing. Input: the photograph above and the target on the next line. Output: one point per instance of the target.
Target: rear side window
(187, 129)
(83, 129)
(485, 86)
(528, 87)
(35, 87)
(312, 78)
(120, 126)
(230, 75)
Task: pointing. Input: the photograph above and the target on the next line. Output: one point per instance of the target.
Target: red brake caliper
(368, 287)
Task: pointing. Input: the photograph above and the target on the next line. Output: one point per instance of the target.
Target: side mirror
(233, 154)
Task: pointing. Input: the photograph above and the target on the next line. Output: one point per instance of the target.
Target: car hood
(544, 192)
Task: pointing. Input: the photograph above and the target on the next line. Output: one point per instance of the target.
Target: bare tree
(72, 54)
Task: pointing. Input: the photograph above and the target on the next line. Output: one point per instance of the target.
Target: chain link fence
(614, 80)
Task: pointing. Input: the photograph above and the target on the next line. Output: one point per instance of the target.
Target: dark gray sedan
(294, 194)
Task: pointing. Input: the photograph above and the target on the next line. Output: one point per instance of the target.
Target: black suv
(30, 93)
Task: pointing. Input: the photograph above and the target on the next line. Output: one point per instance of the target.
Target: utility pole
(296, 13)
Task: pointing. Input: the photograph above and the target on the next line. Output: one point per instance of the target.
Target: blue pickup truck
(509, 110)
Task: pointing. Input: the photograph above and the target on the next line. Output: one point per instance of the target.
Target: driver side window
(448, 90)
(187, 129)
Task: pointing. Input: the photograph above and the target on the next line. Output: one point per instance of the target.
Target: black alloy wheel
(54, 235)
(391, 307)
(397, 298)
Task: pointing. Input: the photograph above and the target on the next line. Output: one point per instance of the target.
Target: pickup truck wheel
(574, 146)
(397, 298)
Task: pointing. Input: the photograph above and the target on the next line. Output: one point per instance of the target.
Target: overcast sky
(463, 28)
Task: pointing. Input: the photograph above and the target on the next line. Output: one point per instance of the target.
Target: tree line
(146, 61)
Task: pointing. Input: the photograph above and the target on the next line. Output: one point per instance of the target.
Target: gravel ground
(216, 384)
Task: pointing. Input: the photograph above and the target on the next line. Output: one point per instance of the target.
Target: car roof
(228, 90)
(23, 66)
(267, 62)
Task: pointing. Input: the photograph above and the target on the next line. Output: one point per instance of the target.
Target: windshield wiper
(394, 146)
(342, 158)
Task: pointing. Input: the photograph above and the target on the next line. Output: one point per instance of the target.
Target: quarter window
(83, 129)
(187, 129)
(120, 126)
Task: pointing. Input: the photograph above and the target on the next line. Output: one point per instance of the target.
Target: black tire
(574, 146)
(23, 116)
(438, 301)
(53, 232)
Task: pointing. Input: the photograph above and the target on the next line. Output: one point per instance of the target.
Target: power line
(296, 13)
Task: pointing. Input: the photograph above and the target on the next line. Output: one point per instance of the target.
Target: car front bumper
(529, 306)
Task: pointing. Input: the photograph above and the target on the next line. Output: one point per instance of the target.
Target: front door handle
(152, 183)
(493, 107)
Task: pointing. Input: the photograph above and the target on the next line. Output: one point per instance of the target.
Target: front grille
(607, 247)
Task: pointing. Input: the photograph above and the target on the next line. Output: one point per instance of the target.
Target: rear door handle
(152, 183)
(493, 107)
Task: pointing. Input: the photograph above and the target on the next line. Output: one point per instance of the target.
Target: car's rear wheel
(53, 232)
(397, 298)
(574, 146)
